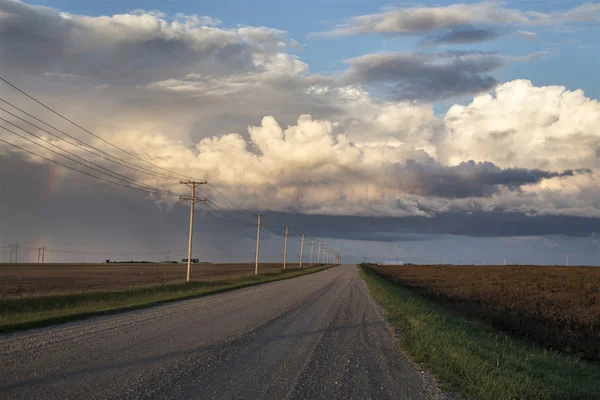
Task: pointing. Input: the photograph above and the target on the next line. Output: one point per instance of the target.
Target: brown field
(19, 280)
(555, 307)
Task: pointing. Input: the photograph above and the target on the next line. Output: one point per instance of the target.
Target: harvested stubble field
(555, 307)
(25, 280)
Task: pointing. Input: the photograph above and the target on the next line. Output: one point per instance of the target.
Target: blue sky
(575, 62)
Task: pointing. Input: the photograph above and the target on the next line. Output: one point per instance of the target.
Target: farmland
(554, 307)
(25, 280)
(44, 307)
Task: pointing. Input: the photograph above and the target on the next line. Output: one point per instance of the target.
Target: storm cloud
(359, 154)
(468, 179)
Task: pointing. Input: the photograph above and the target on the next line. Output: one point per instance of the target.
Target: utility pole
(285, 247)
(192, 200)
(301, 248)
(319, 253)
(504, 260)
(168, 254)
(312, 247)
(567, 262)
(257, 246)
(41, 254)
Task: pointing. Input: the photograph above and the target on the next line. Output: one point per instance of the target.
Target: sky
(415, 131)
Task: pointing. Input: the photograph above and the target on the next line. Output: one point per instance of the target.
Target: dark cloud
(464, 35)
(468, 179)
(425, 76)
(79, 214)
(477, 224)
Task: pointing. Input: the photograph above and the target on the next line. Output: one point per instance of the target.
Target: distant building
(391, 262)
(193, 260)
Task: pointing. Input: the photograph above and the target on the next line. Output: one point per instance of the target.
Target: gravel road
(318, 336)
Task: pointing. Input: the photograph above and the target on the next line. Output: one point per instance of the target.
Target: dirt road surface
(318, 336)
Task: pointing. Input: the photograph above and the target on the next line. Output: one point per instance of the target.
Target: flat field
(24, 280)
(555, 307)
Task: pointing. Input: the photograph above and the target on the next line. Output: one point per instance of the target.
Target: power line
(82, 145)
(223, 206)
(74, 169)
(217, 217)
(110, 173)
(235, 205)
(221, 211)
(104, 252)
(88, 131)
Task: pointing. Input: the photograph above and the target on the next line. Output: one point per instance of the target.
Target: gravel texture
(318, 336)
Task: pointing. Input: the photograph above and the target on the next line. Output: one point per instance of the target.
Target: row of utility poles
(324, 254)
(329, 256)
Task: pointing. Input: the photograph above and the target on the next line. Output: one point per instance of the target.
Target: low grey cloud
(463, 35)
(403, 21)
(467, 179)
(425, 76)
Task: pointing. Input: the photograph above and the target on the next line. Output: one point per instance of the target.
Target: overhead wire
(90, 132)
(215, 204)
(225, 216)
(222, 205)
(214, 215)
(73, 169)
(83, 145)
(109, 172)
(235, 205)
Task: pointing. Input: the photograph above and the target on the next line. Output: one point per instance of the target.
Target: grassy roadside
(20, 314)
(474, 359)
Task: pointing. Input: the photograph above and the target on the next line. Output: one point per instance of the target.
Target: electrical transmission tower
(192, 200)
(41, 254)
(14, 248)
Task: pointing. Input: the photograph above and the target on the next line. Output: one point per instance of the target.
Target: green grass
(473, 358)
(26, 313)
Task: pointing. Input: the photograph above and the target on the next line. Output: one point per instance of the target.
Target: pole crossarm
(193, 183)
(192, 200)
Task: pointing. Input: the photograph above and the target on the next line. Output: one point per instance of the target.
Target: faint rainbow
(56, 179)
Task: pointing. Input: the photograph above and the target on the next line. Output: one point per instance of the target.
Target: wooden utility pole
(192, 200)
(301, 248)
(285, 247)
(257, 246)
(312, 247)
(319, 253)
